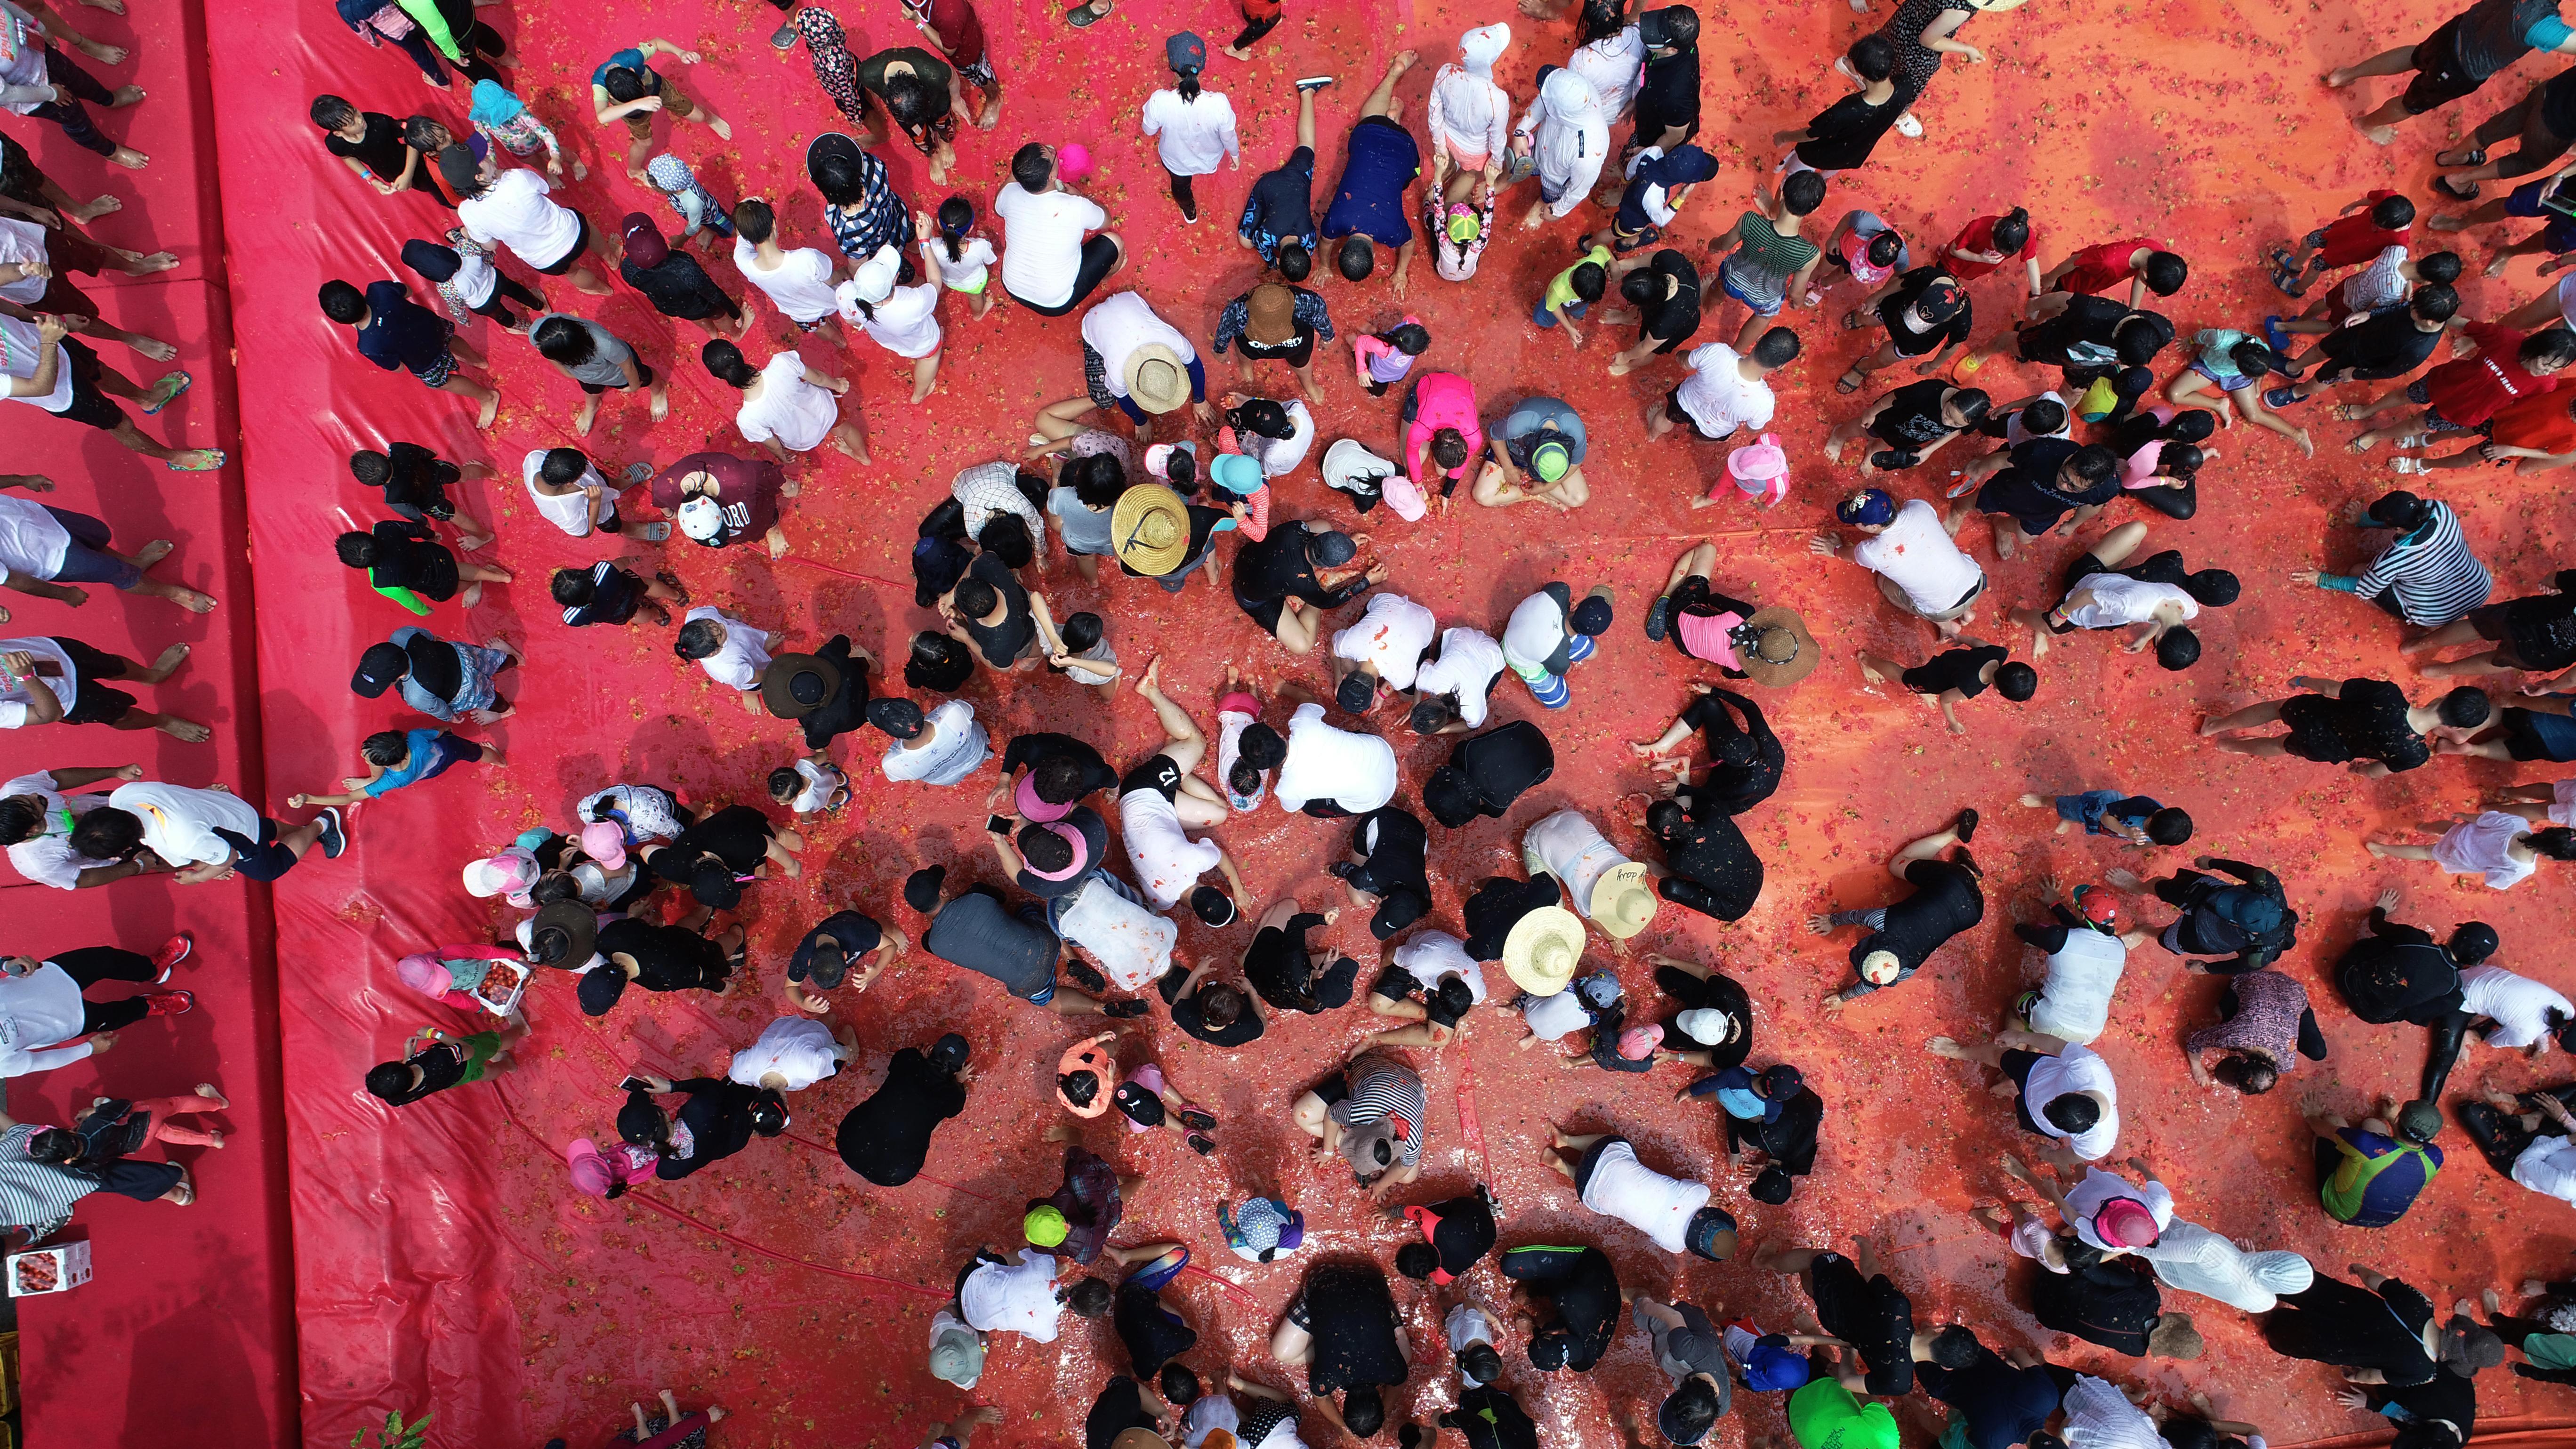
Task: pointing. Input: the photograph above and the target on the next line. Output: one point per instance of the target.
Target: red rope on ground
(844, 573)
(1228, 1284)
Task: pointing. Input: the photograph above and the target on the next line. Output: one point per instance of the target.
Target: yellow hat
(1543, 950)
(1622, 903)
(1151, 527)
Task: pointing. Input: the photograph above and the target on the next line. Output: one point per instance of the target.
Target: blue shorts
(2560, 234)
(1154, 1275)
(1726, 283)
(2241, 383)
(1543, 317)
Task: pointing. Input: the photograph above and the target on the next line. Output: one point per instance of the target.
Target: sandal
(671, 581)
(2477, 157)
(2277, 398)
(2443, 185)
(1083, 16)
(1130, 1007)
(2348, 412)
(184, 383)
(1198, 1118)
(1658, 617)
(1849, 381)
(2405, 465)
(1202, 1144)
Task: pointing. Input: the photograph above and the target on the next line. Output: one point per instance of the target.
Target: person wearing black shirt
(674, 282)
(1841, 136)
(1392, 874)
(1456, 1233)
(657, 958)
(1218, 1013)
(1491, 1418)
(1123, 1404)
(1744, 764)
(2384, 345)
(989, 610)
(1278, 964)
(401, 554)
(1061, 769)
(1200, 550)
(371, 144)
(2002, 1399)
(2113, 1302)
(1497, 905)
(1153, 1334)
(825, 692)
(1946, 901)
(1954, 676)
(2400, 973)
(1924, 311)
(1695, 988)
(1280, 208)
(1788, 1141)
(2038, 483)
(415, 483)
(1283, 565)
(1914, 421)
(2367, 723)
(1487, 772)
(2535, 633)
(2251, 923)
(1856, 1303)
(1343, 1328)
(886, 1138)
(719, 1119)
(829, 952)
(398, 335)
(1583, 1287)
(1664, 290)
(2086, 336)
(1668, 92)
(608, 592)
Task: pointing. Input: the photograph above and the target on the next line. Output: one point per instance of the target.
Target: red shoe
(170, 1003)
(172, 952)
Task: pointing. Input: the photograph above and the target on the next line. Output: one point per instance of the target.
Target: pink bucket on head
(1760, 468)
(1073, 161)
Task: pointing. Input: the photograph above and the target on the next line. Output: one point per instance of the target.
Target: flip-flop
(2477, 157)
(1848, 382)
(1082, 17)
(2288, 284)
(2273, 336)
(184, 382)
(1657, 618)
(1199, 1118)
(216, 458)
(2443, 185)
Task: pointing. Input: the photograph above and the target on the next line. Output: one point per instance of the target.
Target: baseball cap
(1705, 1023)
(1550, 460)
(1941, 301)
(2097, 906)
(1869, 508)
(378, 668)
(1782, 1081)
(604, 841)
(1045, 1226)
(1773, 1366)
(1355, 693)
(1212, 906)
(1591, 615)
(702, 519)
(1236, 474)
(1185, 53)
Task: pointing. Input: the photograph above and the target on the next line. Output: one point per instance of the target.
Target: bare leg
(2252, 716)
(1183, 744)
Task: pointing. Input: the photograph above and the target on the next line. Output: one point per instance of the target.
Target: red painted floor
(442, 1264)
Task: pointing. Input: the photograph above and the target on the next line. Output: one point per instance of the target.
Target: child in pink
(608, 1174)
(160, 1114)
(1442, 402)
(1383, 358)
(1760, 469)
(449, 974)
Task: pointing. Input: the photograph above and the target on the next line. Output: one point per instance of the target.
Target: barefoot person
(2366, 723)
(47, 552)
(1946, 900)
(2454, 61)
(55, 680)
(41, 364)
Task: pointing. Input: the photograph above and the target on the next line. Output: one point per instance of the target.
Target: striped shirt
(2435, 576)
(1382, 1087)
(36, 1195)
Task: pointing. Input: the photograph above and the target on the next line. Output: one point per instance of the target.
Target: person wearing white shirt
(205, 834)
(733, 653)
(1470, 117)
(2066, 1091)
(793, 1053)
(1109, 922)
(798, 281)
(1162, 798)
(1672, 1212)
(1048, 265)
(2193, 1259)
(62, 681)
(2098, 598)
(1612, 59)
(2081, 1206)
(787, 407)
(942, 747)
(1920, 567)
(1381, 654)
(511, 208)
(42, 1007)
(2525, 1012)
(1013, 1296)
(47, 552)
(2074, 1003)
(1352, 771)
(903, 320)
(2099, 1416)
(569, 491)
(37, 813)
(2548, 1167)
(1117, 336)
(1193, 130)
(1451, 688)
(1725, 390)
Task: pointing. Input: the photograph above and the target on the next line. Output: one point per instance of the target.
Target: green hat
(1462, 225)
(1550, 459)
(1045, 1226)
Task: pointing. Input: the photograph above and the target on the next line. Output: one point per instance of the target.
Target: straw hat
(1151, 527)
(1157, 380)
(1767, 657)
(1543, 949)
(1622, 903)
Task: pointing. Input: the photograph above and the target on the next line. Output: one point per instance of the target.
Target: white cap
(874, 278)
(701, 518)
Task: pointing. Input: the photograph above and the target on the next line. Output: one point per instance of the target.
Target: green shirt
(1560, 288)
(1824, 1415)
(1764, 260)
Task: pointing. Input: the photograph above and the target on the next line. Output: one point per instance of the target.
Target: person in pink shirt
(1441, 431)
(608, 1174)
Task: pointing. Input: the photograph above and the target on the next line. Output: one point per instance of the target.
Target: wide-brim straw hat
(1157, 389)
(1766, 624)
(1543, 950)
(1151, 527)
(1622, 903)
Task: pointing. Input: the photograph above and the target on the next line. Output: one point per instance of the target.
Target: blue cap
(1869, 508)
(1768, 1369)
(1236, 474)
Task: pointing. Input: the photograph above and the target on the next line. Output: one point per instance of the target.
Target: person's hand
(1825, 543)
(1821, 925)
(383, 188)
(100, 1041)
(921, 226)
(1974, 55)
(690, 57)
(2202, 861)
(20, 662)
(51, 328)
(2352, 1398)
(73, 595)
(36, 483)
(808, 1001)
(1401, 282)
(295, 801)
(2356, 511)
(840, 387)
(2304, 576)
(1832, 1005)
(1204, 412)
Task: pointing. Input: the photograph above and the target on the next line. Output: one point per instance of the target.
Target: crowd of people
(1073, 901)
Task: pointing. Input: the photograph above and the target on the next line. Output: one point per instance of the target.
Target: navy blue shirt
(399, 332)
(1282, 206)
(1383, 160)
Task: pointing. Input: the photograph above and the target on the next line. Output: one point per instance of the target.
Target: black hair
(331, 112)
(1681, 27)
(2138, 346)
(699, 639)
(2400, 510)
(2180, 460)
(342, 302)
(1955, 1347)
(754, 220)
(1642, 287)
(937, 662)
(1058, 779)
(1803, 192)
(2016, 681)
(956, 218)
(572, 587)
(1480, 1361)
(2548, 350)
(2169, 826)
(2250, 1075)
(2442, 267)
(1600, 20)
(1220, 1005)
(385, 747)
(563, 465)
(1098, 480)
(1244, 777)
(423, 134)
(838, 178)
(1665, 819)
(108, 834)
(431, 260)
(555, 885)
(785, 783)
(1550, 1347)
(907, 99)
(1261, 746)
(387, 1081)
(1416, 1260)
(1873, 56)
(1410, 338)
(2393, 213)
(1295, 262)
(1589, 281)
(1007, 538)
(1263, 418)
(725, 363)
(1090, 1298)
(1032, 167)
(768, 1113)
(565, 340)
(1885, 248)
(1044, 849)
(1452, 997)
(1692, 1408)
(1430, 716)
(2216, 588)
(1363, 1411)
(2465, 707)
(2012, 231)
(2557, 842)
(1080, 1088)
(2072, 1113)
(1973, 404)
(2435, 302)
(371, 468)
(1355, 258)
(1181, 470)
(973, 598)
(2178, 649)
(18, 819)
(357, 550)
(1450, 797)
(2250, 357)
(1081, 631)
(1179, 1385)
(2191, 425)
(623, 83)
(1449, 448)
(2166, 272)
(2471, 941)
(2093, 463)
(1779, 346)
